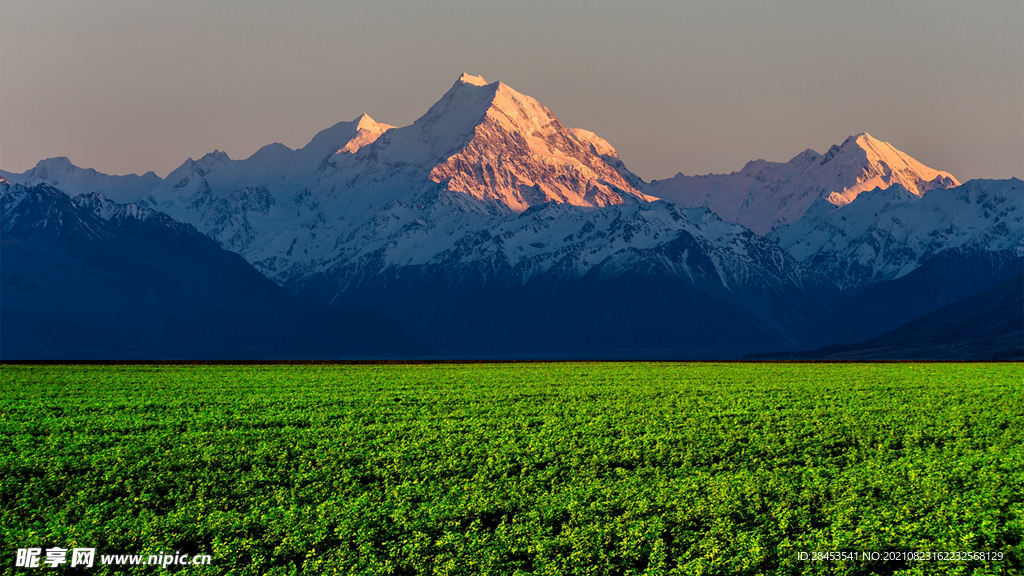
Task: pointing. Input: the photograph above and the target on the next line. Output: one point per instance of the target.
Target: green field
(581, 468)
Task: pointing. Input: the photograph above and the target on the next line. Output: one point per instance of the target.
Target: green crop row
(576, 468)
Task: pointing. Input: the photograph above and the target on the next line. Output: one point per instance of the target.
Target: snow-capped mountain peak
(214, 157)
(54, 166)
(367, 132)
(472, 80)
(442, 130)
(876, 164)
(489, 144)
(342, 137)
(210, 161)
(495, 144)
(886, 233)
(61, 173)
(765, 194)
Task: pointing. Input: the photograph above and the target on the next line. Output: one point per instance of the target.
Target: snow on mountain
(571, 242)
(44, 213)
(886, 233)
(235, 201)
(275, 167)
(765, 194)
(111, 211)
(89, 278)
(62, 174)
(518, 153)
(481, 154)
(488, 184)
(495, 145)
(610, 155)
(41, 210)
(569, 246)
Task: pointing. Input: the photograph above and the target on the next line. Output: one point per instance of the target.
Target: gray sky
(694, 87)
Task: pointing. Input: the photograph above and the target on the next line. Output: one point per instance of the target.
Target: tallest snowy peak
(519, 154)
(472, 80)
(499, 146)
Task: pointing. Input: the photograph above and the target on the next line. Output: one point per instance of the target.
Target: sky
(128, 86)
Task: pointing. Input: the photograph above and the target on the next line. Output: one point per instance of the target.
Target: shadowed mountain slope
(984, 326)
(91, 279)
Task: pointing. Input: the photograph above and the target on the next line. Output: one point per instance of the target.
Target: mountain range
(764, 195)
(489, 229)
